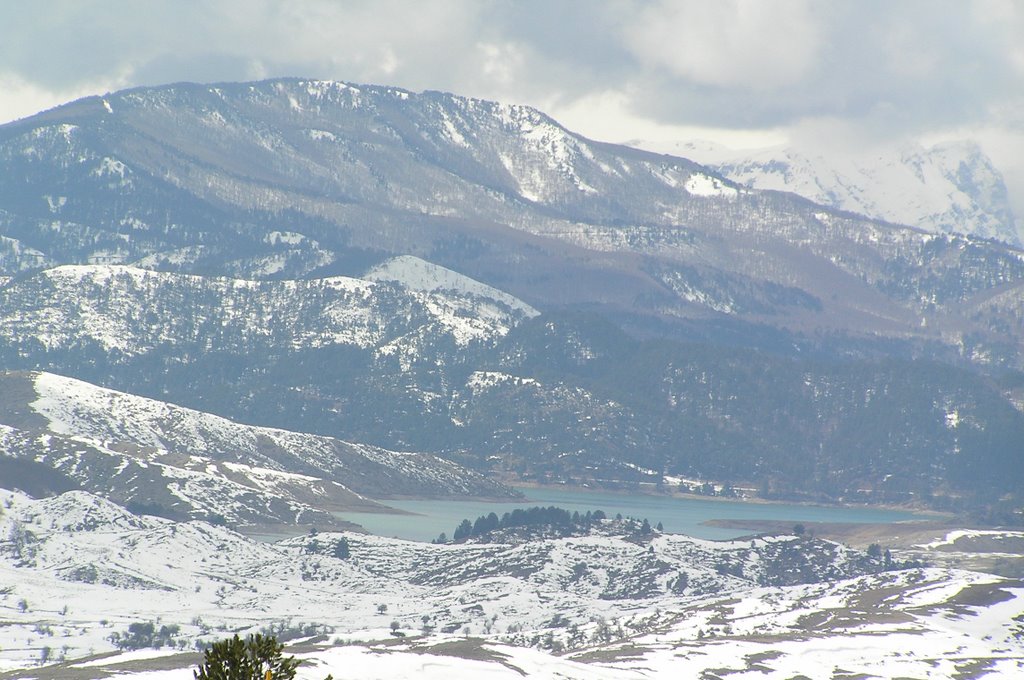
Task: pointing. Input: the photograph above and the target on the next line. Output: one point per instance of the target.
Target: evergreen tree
(341, 550)
(250, 659)
(464, 530)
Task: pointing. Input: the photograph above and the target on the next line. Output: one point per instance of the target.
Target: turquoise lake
(677, 515)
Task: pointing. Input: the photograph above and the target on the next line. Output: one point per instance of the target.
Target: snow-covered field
(76, 570)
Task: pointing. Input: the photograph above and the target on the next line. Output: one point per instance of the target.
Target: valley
(610, 600)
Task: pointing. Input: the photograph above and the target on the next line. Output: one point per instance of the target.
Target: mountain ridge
(947, 187)
(205, 243)
(450, 180)
(184, 463)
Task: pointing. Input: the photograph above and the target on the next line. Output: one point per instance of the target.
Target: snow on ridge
(104, 273)
(304, 317)
(703, 185)
(290, 238)
(947, 187)
(116, 421)
(80, 409)
(480, 381)
(268, 475)
(421, 275)
(97, 414)
(320, 135)
(451, 131)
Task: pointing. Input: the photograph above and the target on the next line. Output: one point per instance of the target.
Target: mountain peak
(949, 187)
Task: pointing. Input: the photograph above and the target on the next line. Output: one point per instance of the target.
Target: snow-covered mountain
(295, 178)
(465, 372)
(417, 274)
(951, 187)
(127, 311)
(80, 571)
(213, 245)
(178, 462)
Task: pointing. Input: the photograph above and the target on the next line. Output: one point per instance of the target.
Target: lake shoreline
(905, 534)
(679, 513)
(654, 493)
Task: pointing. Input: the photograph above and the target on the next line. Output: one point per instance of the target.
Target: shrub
(145, 634)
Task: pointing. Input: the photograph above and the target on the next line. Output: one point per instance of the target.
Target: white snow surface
(420, 275)
(209, 447)
(109, 305)
(958, 534)
(947, 187)
(700, 184)
(72, 582)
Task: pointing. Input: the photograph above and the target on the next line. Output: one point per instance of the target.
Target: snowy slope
(948, 187)
(293, 178)
(417, 274)
(140, 448)
(102, 416)
(196, 487)
(81, 570)
(118, 309)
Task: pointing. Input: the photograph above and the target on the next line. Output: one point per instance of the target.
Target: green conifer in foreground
(250, 659)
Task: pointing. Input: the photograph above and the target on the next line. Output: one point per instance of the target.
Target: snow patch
(320, 135)
(109, 167)
(55, 203)
(420, 275)
(284, 237)
(700, 184)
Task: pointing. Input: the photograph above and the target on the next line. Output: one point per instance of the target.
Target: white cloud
(22, 98)
(608, 116)
(501, 63)
(728, 43)
(735, 71)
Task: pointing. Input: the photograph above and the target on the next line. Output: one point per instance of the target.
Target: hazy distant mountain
(951, 187)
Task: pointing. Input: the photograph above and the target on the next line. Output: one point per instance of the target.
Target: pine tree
(250, 659)
(464, 530)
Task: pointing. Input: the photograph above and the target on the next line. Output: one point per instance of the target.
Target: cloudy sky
(843, 73)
